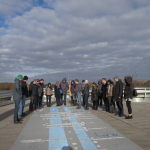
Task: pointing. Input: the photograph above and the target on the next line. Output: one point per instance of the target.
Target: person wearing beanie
(86, 94)
(17, 97)
(24, 95)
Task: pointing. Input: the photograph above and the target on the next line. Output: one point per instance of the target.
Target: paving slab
(68, 128)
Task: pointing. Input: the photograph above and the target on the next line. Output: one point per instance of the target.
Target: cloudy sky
(91, 39)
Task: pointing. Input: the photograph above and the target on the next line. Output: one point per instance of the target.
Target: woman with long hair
(48, 93)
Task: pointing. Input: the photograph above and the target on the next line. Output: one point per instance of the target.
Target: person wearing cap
(99, 93)
(94, 96)
(118, 92)
(17, 97)
(24, 95)
(78, 91)
(86, 94)
(64, 86)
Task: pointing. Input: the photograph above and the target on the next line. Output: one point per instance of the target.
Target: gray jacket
(78, 88)
(17, 90)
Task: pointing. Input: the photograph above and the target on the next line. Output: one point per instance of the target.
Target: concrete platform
(67, 128)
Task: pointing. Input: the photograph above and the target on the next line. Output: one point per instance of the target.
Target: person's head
(57, 83)
(49, 85)
(83, 81)
(38, 81)
(76, 81)
(128, 79)
(104, 80)
(42, 81)
(94, 84)
(109, 81)
(64, 80)
(20, 77)
(70, 82)
(86, 81)
(25, 78)
(100, 82)
(35, 81)
(116, 78)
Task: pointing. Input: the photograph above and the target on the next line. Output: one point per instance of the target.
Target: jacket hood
(100, 81)
(128, 79)
(64, 79)
(17, 80)
(73, 81)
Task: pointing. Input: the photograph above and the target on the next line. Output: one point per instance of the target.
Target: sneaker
(120, 115)
(17, 122)
(78, 108)
(128, 117)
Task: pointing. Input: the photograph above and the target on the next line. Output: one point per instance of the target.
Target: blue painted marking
(81, 134)
(57, 133)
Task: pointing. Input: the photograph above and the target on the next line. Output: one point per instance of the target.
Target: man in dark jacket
(24, 95)
(17, 97)
(99, 102)
(42, 86)
(64, 86)
(33, 92)
(83, 85)
(86, 94)
(118, 91)
(40, 90)
(103, 93)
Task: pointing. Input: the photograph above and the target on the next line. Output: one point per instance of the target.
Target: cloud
(90, 39)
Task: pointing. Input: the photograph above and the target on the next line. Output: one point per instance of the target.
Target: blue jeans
(37, 102)
(22, 104)
(79, 99)
(64, 99)
(74, 96)
(17, 103)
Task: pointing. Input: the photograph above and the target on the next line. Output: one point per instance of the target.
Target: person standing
(24, 95)
(118, 91)
(103, 93)
(70, 93)
(40, 90)
(86, 94)
(94, 96)
(57, 93)
(48, 93)
(73, 87)
(109, 96)
(33, 93)
(17, 97)
(128, 95)
(99, 93)
(83, 85)
(64, 86)
(41, 97)
(78, 91)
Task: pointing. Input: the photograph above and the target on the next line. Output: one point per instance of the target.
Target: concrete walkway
(69, 128)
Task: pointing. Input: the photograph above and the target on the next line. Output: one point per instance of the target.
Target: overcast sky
(91, 39)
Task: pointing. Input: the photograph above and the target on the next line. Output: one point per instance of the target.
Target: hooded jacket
(64, 86)
(128, 92)
(73, 86)
(48, 90)
(17, 90)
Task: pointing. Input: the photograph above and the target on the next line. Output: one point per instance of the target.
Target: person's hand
(119, 97)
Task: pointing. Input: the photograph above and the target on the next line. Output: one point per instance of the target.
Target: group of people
(35, 93)
(106, 92)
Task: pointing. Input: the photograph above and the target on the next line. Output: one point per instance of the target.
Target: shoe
(19, 119)
(34, 111)
(17, 122)
(120, 115)
(96, 109)
(24, 114)
(86, 108)
(78, 108)
(39, 108)
(103, 110)
(92, 108)
(128, 117)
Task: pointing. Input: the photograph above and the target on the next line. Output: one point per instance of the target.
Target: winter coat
(48, 90)
(33, 89)
(40, 90)
(94, 94)
(24, 88)
(70, 93)
(64, 86)
(103, 91)
(57, 92)
(111, 90)
(86, 90)
(99, 89)
(42, 86)
(78, 88)
(73, 87)
(17, 90)
(128, 92)
(118, 91)
(83, 85)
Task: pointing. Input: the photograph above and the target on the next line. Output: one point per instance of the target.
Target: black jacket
(86, 90)
(57, 92)
(24, 88)
(103, 90)
(33, 89)
(94, 94)
(128, 92)
(118, 90)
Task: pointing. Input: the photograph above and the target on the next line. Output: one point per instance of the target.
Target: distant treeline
(136, 82)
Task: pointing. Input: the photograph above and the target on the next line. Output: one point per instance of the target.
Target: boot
(75, 102)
